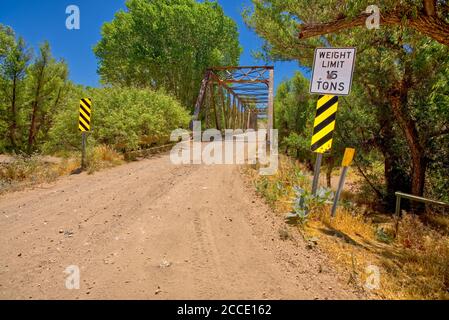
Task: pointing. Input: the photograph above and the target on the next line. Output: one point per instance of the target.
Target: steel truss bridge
(235, 97)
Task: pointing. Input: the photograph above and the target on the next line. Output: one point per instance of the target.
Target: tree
(7, 40)
(14, 58)
(411, 66)
(30, 92)
(12, 71)
(166, 44)
(294, 113)
(397, 71)
(429, 17)
(46, 81)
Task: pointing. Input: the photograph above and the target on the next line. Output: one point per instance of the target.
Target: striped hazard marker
(324, 125)
(85, 114)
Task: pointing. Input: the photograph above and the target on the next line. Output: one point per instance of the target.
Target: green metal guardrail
(400, 195)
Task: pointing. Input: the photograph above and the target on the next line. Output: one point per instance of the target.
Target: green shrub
(123, 118)
(304, 201)
(297, 146)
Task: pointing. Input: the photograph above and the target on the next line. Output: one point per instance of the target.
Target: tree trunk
(418, 157)
(35, 104)
(13, 127)
(45, 121)
(396, 178)
(32, 130)
(419, 175)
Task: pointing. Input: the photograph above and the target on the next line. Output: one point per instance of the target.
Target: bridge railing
(401, 195)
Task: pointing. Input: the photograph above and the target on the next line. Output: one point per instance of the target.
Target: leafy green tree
(397, 72)
(7, 40)
(46, 81)
(294, 113)
(30, 92)
(294, 21)
(428, 17)
(124, 118)
(12, 73)
(167, 44)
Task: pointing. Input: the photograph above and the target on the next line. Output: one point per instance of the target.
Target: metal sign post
(83, 150)
(347, 159)
(84, 126)
(316, 173)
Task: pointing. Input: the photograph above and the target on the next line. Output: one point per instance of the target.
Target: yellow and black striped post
(85, 114)
(324, 125)
(84, 126)
(323, 129)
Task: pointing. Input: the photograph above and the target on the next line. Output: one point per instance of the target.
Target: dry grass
(438, 222)
(424, 258)
(414, 265)
(101, 157)
(25, 171)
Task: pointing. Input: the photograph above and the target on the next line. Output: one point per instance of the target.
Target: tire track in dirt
(152, 230)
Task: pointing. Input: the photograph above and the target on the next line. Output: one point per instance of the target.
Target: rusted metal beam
(229, 108)
(254, 101)
(247, 88)
(253, 95)
(234, 114)
(200, 98)
(240, 67)
(217, 123)
(244, 81)
(270, 105)
(223, 107)
(216, 79)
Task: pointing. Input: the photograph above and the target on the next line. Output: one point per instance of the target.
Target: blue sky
(42, 20)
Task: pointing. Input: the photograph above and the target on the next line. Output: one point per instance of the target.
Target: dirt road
(153, 230)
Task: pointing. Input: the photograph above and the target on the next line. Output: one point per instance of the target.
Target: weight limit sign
(332, 71)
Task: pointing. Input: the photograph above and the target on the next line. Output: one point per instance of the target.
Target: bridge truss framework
(234, 97)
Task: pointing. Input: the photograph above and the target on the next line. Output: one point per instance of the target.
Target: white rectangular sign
(332, 71)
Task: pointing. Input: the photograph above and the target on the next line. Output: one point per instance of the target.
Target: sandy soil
(153, 230)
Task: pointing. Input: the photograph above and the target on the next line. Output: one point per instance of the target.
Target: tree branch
(377, 191)
(429, 7)
(427, 23)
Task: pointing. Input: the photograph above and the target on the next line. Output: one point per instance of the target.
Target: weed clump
(413, 262)
(101, 157)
